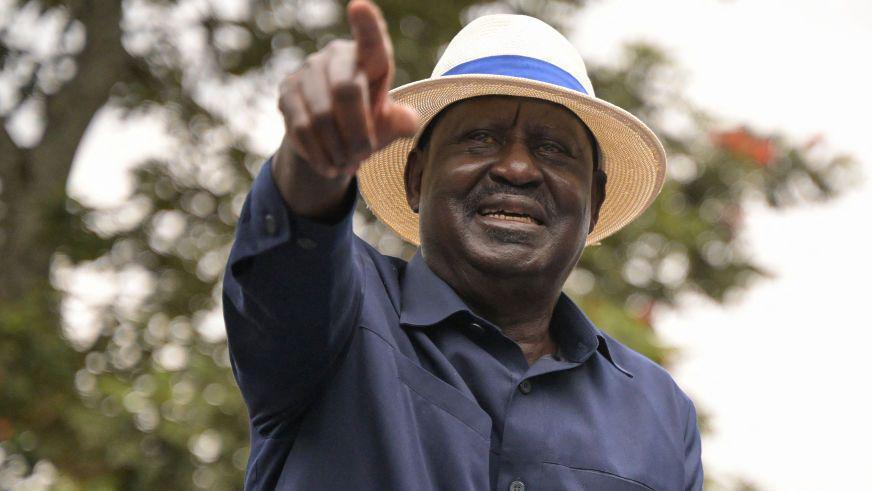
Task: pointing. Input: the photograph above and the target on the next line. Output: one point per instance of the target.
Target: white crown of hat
(509, 35)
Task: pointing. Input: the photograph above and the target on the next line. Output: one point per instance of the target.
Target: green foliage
(149, 401)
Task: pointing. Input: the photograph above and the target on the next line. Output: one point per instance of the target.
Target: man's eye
(483, 137)
(550, 148)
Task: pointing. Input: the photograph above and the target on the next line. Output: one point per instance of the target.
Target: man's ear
(412, 176)
(597, 196)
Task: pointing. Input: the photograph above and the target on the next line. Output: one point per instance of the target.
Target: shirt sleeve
(292, 293)
(693, 473)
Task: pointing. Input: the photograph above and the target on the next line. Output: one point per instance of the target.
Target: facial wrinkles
(502, 122)
(511, 119)
(517, 114)
(488, 187)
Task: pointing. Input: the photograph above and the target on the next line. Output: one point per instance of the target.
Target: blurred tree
(134, 391)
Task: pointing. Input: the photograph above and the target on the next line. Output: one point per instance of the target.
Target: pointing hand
(336, 107)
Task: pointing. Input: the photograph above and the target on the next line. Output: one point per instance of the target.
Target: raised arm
(292, 289)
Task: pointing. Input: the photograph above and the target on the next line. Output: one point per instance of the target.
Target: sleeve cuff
(267, 222)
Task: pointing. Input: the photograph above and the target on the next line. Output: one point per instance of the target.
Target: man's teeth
(512, 218)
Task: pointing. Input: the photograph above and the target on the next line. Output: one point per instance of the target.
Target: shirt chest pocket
(563, 477)
(425, 389)
(447, 435)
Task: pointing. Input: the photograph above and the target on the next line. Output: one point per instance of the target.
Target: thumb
(396, 121)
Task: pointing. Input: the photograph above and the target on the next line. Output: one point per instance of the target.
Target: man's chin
(500, 232)
(505, 256)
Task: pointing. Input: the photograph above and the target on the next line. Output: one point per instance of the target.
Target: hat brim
(630, 154)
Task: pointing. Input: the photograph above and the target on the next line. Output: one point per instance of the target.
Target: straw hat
(522, 56)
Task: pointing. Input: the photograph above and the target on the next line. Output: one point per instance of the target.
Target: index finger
(375, 54)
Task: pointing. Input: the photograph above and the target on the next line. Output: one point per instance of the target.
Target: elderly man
(467, 368)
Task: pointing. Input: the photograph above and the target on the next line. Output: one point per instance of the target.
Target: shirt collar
(428, 300)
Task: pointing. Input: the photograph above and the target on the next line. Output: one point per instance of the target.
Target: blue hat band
(519, 66)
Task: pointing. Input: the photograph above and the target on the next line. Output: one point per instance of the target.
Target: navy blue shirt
(363, 372)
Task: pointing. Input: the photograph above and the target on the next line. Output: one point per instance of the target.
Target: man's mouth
(510, 216)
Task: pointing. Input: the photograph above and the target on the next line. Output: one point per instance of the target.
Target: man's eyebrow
(542, 128)
(550, 124)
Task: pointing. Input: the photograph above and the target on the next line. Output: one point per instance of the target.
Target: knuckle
(319, 56)
(302, 67)
(287, 86)
(310, 62)
(339, 45)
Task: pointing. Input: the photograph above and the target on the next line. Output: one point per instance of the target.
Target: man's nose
(516, 166)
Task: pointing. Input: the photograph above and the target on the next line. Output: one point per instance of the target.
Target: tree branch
(37, 179)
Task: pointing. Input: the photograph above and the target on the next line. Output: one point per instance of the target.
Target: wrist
(306, 192)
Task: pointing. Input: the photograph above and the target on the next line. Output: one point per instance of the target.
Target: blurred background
(131, 132)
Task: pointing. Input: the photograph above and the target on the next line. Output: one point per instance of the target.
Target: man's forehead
(509, 106)
(539, 115)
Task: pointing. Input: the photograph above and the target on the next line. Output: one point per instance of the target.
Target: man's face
(504, 186)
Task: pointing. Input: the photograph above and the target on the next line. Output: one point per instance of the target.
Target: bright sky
(783, 372)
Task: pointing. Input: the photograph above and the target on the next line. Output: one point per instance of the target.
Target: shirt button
(517, 485)
(306, 243)
(525, 387)
(269, 224)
